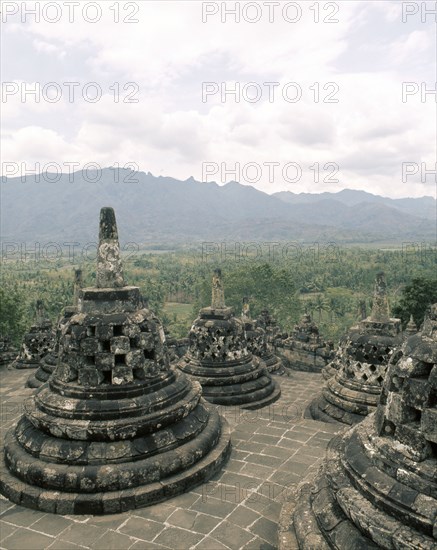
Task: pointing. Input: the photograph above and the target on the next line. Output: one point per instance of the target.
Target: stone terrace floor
(273, 449)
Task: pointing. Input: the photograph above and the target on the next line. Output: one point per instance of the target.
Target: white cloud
(368, 133)
(48, 48)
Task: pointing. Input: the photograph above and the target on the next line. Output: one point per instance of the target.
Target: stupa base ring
(244, 401)
(114, 502)
(318, 516)
(324, 411)
(19, 364)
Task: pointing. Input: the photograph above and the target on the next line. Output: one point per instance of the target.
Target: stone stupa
(267, 322)
(37, 343)
(8, 352)
(49, 362)
(115, 427)
(257, 342)
(377, 487)
(304, 349)
(218, 357)
(353, 391)
(411, 328)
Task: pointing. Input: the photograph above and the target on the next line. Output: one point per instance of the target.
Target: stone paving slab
(273, 449)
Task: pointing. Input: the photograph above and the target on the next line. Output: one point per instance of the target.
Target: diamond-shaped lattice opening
(372, 368)
(388, 428)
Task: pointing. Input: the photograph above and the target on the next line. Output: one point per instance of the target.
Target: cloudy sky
(147, 84)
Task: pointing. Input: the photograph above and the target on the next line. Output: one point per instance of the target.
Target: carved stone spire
(78, 284)
(39, 312)
(363, 310)
(245, 313)
(218, 292)
(380, 310)
(109, 266)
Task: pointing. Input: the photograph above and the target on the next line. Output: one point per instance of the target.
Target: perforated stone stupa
(7, 351)
(304, 349)
(257, 342)
(378, 485)
(218, 357)
(270, 325)
(48, 362)
(37, 343)
(115, 427)
(353, 391)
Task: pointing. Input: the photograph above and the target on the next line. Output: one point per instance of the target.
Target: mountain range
(163, 210)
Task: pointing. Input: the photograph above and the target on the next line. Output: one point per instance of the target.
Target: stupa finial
(245, 313)
(109, 266)
(380, 310)
(78, 284)
(218, 293)
(39, 307)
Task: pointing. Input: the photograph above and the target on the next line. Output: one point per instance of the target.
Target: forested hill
(165, 210)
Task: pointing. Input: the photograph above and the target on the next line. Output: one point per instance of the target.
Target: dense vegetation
(330, 285)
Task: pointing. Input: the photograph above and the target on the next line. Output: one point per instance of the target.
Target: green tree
(415, 299)
(12, 313)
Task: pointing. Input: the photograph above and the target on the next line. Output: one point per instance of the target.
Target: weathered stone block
(66, 373)
(145, 341)
(429, 424)
(131, 331)
(135, 359)
(411, 435)
(398, 410)
(120, 345)
(90, 346)
(104, 361)
(104, 332)
(89, 376)
(122, 375)
(78, 332)
(417, 392)
(433, 378)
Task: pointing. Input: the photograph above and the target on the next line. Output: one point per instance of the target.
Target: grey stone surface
(241, 502)
(377, 487)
